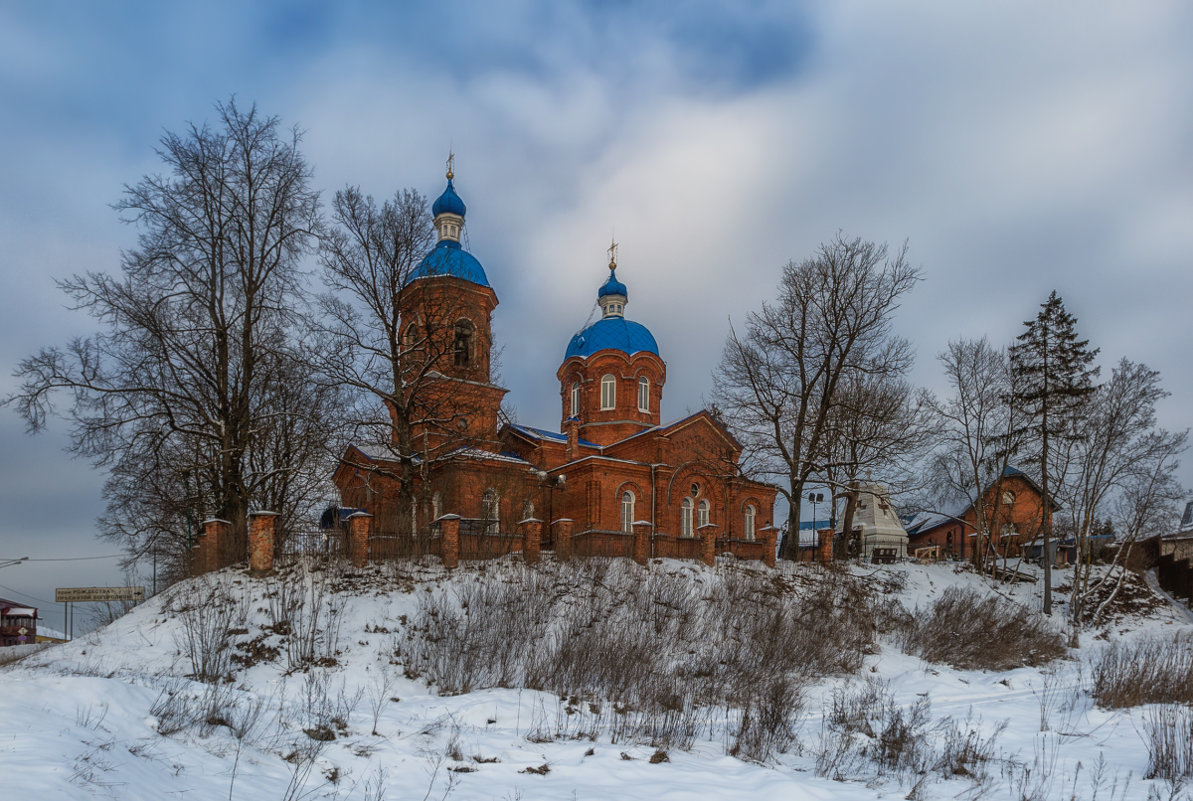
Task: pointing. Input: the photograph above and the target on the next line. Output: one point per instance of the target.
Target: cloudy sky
(1018, 149)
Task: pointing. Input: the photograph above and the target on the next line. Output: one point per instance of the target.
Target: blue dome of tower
(617, 333)
(612, 287)
(448, 258)
(449, 202)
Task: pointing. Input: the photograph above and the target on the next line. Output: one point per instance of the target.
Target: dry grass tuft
(973, 632)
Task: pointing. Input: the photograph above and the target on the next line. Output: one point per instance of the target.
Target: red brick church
(612, 476)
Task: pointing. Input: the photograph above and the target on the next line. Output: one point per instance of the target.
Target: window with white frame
(491, 509)
(702, 513)
(627, 512)
(575, 399)
(436, 506)
(749, 527)
(608, 392)
(644, 394)
(685, 518)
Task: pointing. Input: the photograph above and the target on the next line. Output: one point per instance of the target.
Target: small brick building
(1014, 502)
(613, 468)
(18, 623)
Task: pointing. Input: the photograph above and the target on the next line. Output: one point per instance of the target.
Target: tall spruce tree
(1055, 380)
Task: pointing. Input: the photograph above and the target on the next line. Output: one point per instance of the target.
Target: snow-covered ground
(116, 714)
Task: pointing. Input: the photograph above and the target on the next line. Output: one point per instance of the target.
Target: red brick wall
(611, 425)
(1023, 512)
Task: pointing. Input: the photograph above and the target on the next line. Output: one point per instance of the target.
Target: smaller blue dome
(612, 332)
(449, 202)
(612, 287)
(448, 258)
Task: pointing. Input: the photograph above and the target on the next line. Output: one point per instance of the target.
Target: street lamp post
(815, 498)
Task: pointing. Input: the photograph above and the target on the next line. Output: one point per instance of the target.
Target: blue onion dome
(450, 259)
(617, 333)
(449, 202)
(613, 330)
(612, 286)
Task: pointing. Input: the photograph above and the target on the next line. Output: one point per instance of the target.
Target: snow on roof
(13, 609)
(542, 433)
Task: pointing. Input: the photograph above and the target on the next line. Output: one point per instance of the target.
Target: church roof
(617, 333)
(449, 202)
(542, 433)
(613, 287)
(449, 258)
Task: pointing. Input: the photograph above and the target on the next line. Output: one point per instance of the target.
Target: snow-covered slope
(326, 705)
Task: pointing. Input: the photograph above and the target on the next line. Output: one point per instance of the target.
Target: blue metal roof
(449, 202)
(612, 332)
(448, 258)
(542, 433)
(612, 287)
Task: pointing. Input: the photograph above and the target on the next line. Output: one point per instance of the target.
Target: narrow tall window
(644, 394)
(685, 518)
(436, 506)
(749, 528)
(463, 343)
(575, 399)
(491, 504)
(608, 392)
(627, 512)
(702, 513)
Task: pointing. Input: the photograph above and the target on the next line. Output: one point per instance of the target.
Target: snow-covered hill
(315, 685)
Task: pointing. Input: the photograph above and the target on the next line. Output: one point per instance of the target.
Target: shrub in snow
(971, 631)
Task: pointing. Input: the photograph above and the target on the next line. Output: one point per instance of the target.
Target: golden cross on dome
(612, 254)
(451, 160)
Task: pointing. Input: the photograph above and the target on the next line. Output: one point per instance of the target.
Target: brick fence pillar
(199, 553)
(261, 535)
(531, 530)
(641, 549)
(449, 538)
(359, 527)
(824, 545)
(215, 539)
(770, 536)
(561, 531)
(708, 543)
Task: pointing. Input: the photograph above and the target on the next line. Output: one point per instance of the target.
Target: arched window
(608, 392)
(702, 513)
(685, 518)
(644, 394)
(575, 399)
(527, 509)
(491, 510)
(627, 512)
(749, 527)
(463, 345)
(410, 337)
(1008, 498)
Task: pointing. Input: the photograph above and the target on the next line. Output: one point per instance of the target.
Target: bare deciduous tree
(781, 381)
(980, 434)
(880, 423)
(195, 328)
(1117, 466)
